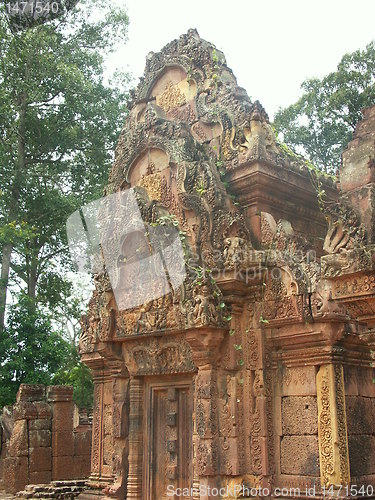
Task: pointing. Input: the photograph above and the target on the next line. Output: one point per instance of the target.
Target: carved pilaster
(97, 430)
(206, 422)
(119, 434)
(136, 404)
(205, 344)
(196, 480)
(332, 426)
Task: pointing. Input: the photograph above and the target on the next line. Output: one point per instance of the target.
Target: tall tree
(31, 350)
(59, 123)
(322, 121)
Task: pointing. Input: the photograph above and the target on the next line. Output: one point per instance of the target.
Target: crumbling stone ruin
(256, 372)
(44, 438)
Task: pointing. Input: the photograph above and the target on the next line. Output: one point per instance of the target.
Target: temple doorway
(168, 443)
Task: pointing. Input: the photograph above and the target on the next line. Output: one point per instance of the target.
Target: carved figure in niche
(156, 314)
(171, 98)
(152, 315)
(84, 338)
(108, 324)
(151, 181)
(234, 251)
(258, 384)
(135, 247)
(256, 138)
(88, 336)
(204, 310)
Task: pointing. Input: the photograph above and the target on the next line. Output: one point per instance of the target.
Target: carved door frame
(177, 381)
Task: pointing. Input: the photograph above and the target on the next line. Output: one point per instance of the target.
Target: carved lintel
(332, 426)
(205, 344)
(158, 356)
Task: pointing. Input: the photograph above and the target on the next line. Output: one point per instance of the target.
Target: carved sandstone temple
(257, 370)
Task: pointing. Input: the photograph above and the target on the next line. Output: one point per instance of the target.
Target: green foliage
(322, 121)
(201, 188)
(78, 375)
(216, 70)
(60, 122)
(31, 351)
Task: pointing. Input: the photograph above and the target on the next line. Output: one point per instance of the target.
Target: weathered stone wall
(40, 439)
(360, 410)
(299, 427)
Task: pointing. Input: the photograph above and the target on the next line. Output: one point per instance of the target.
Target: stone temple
(256, 371)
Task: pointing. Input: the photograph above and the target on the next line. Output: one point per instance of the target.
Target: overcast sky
(271, 45)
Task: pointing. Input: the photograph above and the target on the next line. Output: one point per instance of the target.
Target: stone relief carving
(333, 441)
(228, 334)
(171, 97)
(159, 357)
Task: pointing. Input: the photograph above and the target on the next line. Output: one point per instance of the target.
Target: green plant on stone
(201, 188)
(171, 219)
(216, 70)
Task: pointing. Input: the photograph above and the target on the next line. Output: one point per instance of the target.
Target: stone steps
(6, 496)
(64, 490)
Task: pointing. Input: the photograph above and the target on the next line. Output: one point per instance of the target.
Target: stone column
(107, 452)
(96, 431)
(205, 344)
(16, 464)
(40, 445)
(136, 405)
(120, 430)
(102, 438)
(332, 426)
(206, 428)
(29, 454)
(61, 399)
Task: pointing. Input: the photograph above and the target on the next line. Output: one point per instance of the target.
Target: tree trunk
(13, 205)
(32, 279)
(5, 267)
